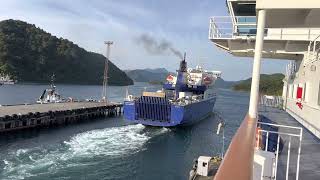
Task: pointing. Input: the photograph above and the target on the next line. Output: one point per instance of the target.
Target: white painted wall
(287, 4)
(309, 115)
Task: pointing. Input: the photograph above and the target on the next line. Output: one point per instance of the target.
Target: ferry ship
(185, 99)
(281, 30)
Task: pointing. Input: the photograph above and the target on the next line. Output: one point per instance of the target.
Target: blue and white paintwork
(185, 99)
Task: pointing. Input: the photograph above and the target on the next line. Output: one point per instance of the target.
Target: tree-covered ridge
(153, 76)
(29, 54)
(269, 84)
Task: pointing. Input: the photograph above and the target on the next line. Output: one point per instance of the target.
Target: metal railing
(313, 51)
(226, 27)
(289, 132)
(271, 101)
(291, 69)
(238, 160)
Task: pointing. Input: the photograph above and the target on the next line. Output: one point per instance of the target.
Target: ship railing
(234, 27)
(238, 162)
(289, 156)
(313, 51)
(271, 101)
(228, 26)
(291, 69)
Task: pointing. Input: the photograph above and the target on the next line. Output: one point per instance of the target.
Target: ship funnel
(183, 64)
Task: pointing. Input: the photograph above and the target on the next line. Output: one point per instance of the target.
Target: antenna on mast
(105, 74)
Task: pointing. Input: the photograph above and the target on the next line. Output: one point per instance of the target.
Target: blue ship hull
(155, 111)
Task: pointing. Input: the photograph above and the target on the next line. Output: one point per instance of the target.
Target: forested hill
(270, 84)
(29, 54)
(158, 75)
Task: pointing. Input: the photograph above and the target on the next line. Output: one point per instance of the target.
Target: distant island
(29, 54)
(270, 84)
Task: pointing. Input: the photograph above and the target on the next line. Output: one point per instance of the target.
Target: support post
(254, 94)
(105, 73)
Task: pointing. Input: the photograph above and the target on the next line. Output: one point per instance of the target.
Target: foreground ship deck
(310, 154)
(309, 157)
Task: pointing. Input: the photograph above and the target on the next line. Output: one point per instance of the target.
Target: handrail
(226, 27)
(312, 56)
(238, 160)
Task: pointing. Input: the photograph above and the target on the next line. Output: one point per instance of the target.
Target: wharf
(34, 115)
(310, 154)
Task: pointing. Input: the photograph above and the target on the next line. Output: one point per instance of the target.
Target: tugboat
(6, 80)
(185, 99)
(50, 95)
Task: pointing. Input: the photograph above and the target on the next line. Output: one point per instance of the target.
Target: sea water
(111, 148)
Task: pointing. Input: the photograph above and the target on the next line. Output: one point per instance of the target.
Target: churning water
(111, 148)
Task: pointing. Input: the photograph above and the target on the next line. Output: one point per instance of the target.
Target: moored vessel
(5, 79)
(50, 95)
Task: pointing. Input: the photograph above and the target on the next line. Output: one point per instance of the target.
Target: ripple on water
(80, 150)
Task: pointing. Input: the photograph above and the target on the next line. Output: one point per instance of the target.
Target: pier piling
(45, 115)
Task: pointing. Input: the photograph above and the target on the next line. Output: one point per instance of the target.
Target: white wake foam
(110, 142)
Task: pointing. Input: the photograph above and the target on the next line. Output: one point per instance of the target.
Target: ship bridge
(288, 29)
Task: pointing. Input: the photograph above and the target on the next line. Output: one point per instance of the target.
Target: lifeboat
(207, 80)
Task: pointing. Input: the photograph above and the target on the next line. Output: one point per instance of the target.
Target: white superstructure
(291, 32)
(277, 29)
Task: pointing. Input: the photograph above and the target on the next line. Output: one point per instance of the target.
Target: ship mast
(105, 75)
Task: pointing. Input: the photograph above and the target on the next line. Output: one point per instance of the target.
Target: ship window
(244, 9)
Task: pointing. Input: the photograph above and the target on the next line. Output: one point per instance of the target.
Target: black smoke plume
(154, 47)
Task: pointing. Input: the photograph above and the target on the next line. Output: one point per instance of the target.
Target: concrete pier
(36, 115)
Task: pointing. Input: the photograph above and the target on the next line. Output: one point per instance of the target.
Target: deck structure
(309, 158)
(286, 29)
(17, 117)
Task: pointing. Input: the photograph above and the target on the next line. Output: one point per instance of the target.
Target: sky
(182, 23)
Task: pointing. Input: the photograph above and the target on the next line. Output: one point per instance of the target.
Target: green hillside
(29, 54)
(269, 84)
(154, 76)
